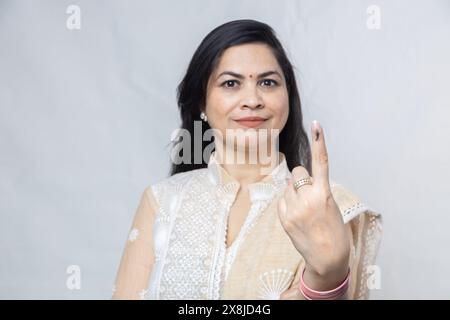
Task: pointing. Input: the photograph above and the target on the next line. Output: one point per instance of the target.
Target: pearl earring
(203, 116)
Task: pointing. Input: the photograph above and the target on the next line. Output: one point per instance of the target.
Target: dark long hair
(191, 91)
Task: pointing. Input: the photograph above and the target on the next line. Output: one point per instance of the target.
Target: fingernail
(316, 129)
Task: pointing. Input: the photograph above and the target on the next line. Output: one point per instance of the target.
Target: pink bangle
(333, 294)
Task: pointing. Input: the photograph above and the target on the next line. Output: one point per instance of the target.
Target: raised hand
(312, 219)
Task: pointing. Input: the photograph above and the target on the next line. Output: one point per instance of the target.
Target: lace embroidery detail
(134, 233)
(366, 247)
(273, 283)
(168, 194)
(370, 245)
(192, 251)
(143, 294)
(353, 211)
(217, 271)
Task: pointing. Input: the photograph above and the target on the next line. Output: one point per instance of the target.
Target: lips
(250, 122)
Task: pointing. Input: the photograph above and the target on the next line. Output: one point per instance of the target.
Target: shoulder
(175, 183)
(180, 179)
(349, 203)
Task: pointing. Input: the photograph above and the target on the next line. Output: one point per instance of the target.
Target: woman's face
(248, 82)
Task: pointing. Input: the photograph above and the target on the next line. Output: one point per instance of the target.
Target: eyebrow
(240, 76)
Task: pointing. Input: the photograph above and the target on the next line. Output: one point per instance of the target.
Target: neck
(247, 169)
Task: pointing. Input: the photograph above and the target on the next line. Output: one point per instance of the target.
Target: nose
(252, 99)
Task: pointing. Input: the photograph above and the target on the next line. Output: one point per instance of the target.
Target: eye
(230, 83)
(269, 83)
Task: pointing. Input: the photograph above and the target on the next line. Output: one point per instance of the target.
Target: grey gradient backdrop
(86, 115)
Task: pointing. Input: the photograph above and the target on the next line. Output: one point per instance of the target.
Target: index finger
(319, 155)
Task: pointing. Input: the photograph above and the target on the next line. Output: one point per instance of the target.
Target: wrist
(325, 292)
(325, 278)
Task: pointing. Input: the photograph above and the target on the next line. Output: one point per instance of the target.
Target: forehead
(248, 58)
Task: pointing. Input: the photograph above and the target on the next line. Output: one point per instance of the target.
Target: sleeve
(365, 229)
(138, 255)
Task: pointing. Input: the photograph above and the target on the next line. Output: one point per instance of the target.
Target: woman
(269, 227)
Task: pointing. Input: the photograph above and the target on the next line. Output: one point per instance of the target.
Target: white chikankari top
(176, 248)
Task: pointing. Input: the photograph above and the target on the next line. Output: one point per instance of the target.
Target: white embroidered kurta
(176, 248)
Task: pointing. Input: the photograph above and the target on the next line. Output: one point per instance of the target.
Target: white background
(86, 116)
